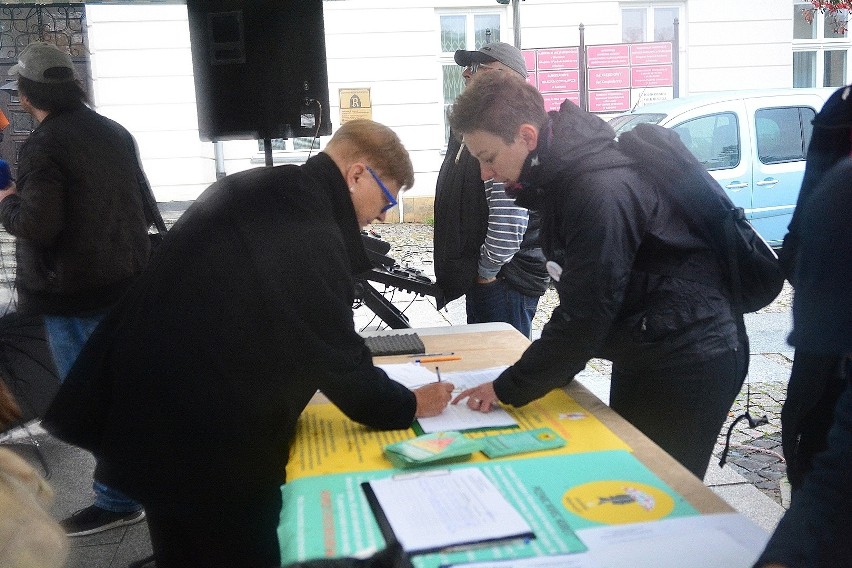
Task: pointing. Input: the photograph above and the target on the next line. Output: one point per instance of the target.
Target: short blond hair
(376, 145)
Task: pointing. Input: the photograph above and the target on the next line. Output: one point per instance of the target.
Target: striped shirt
(507, 224)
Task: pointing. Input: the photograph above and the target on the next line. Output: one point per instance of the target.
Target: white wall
(142, 78)
(739, 45)
(142, 69)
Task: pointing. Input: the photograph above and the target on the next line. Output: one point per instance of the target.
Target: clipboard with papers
(444, 510)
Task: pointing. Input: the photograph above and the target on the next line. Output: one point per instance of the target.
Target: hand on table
(432, 399)
(481, 397)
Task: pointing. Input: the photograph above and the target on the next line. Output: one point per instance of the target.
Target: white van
(753, 143)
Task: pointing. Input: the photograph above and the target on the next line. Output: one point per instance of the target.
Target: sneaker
(93, 520)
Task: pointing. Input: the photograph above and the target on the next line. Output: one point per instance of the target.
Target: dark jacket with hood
(614, 239)
(192, 386)
(461, 222)
(78, 216)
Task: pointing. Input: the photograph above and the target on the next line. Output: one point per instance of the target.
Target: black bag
(754, 275)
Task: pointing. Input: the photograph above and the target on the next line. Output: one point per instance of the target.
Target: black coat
(192, 386)
(615, 240)
(78, 217)
(461, 224)
(815, 530)
(816, 380)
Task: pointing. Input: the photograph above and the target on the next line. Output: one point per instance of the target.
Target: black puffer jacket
(461, 222)
(614, 238)
(78, 215)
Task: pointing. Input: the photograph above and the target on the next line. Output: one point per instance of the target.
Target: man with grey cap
(485, 247)
(81, 231)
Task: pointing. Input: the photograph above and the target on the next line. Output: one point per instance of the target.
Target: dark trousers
(499, 302)
(681, 410)
(224, 534)
(816, 383)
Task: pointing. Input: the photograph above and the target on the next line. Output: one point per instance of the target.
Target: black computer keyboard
(397, 344)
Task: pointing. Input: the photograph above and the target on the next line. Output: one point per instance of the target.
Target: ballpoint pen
(438, 372)
(418, 355)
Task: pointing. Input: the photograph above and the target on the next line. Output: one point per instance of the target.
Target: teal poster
(329, 516)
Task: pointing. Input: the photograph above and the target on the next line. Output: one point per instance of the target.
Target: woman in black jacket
(635, 285)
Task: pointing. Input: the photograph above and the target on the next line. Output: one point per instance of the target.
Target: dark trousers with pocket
(681, 409)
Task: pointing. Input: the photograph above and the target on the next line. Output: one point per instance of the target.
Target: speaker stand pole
(267, 150)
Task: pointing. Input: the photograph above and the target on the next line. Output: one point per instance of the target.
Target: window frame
(446, 58)
(708, 160)
(805, 132)
(650, 18)
(819, 46)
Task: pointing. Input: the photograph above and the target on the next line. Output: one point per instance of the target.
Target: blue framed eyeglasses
(388, 195)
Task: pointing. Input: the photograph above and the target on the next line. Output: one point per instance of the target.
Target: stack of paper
(437, 510)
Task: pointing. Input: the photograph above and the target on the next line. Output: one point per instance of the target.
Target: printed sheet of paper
(412, 375)
(725, 539)
(438, 509)
(456, 417)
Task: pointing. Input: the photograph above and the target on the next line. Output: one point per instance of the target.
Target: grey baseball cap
(43, 63)
(508, 55)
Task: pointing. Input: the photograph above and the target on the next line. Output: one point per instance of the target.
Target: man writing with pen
(190, 391)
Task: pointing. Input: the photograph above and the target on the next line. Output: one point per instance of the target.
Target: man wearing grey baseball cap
(81, 231)
(485, 247)
(499, 52)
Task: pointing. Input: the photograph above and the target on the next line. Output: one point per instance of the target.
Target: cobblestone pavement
(755, 453)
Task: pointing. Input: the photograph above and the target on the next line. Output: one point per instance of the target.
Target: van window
(783, 134)
(713, 139)
(630, 121)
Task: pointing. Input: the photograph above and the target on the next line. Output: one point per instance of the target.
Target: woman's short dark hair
(53, 97)
(497, 103)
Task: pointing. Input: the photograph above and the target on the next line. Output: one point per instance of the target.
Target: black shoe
(93, 520)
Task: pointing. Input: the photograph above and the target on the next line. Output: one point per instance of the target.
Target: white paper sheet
(440, 509)
(726, 540)
(456, 417)
(700, 541)
(412, 375)
(459, 417)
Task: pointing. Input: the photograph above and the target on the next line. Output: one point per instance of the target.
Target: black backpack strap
(149, 203)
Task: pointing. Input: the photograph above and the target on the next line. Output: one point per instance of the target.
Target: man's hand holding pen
(433, 398)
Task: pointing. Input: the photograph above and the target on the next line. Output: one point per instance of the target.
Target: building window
(648, 23)
(291, 144)
(820, 48)
(470, 31)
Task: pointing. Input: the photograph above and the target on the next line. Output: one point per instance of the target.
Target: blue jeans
(66, 336)
(498, 301)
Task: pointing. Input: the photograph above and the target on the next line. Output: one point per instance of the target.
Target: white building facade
(401, 51)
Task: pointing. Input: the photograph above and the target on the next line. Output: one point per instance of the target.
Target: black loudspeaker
(260, 68)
